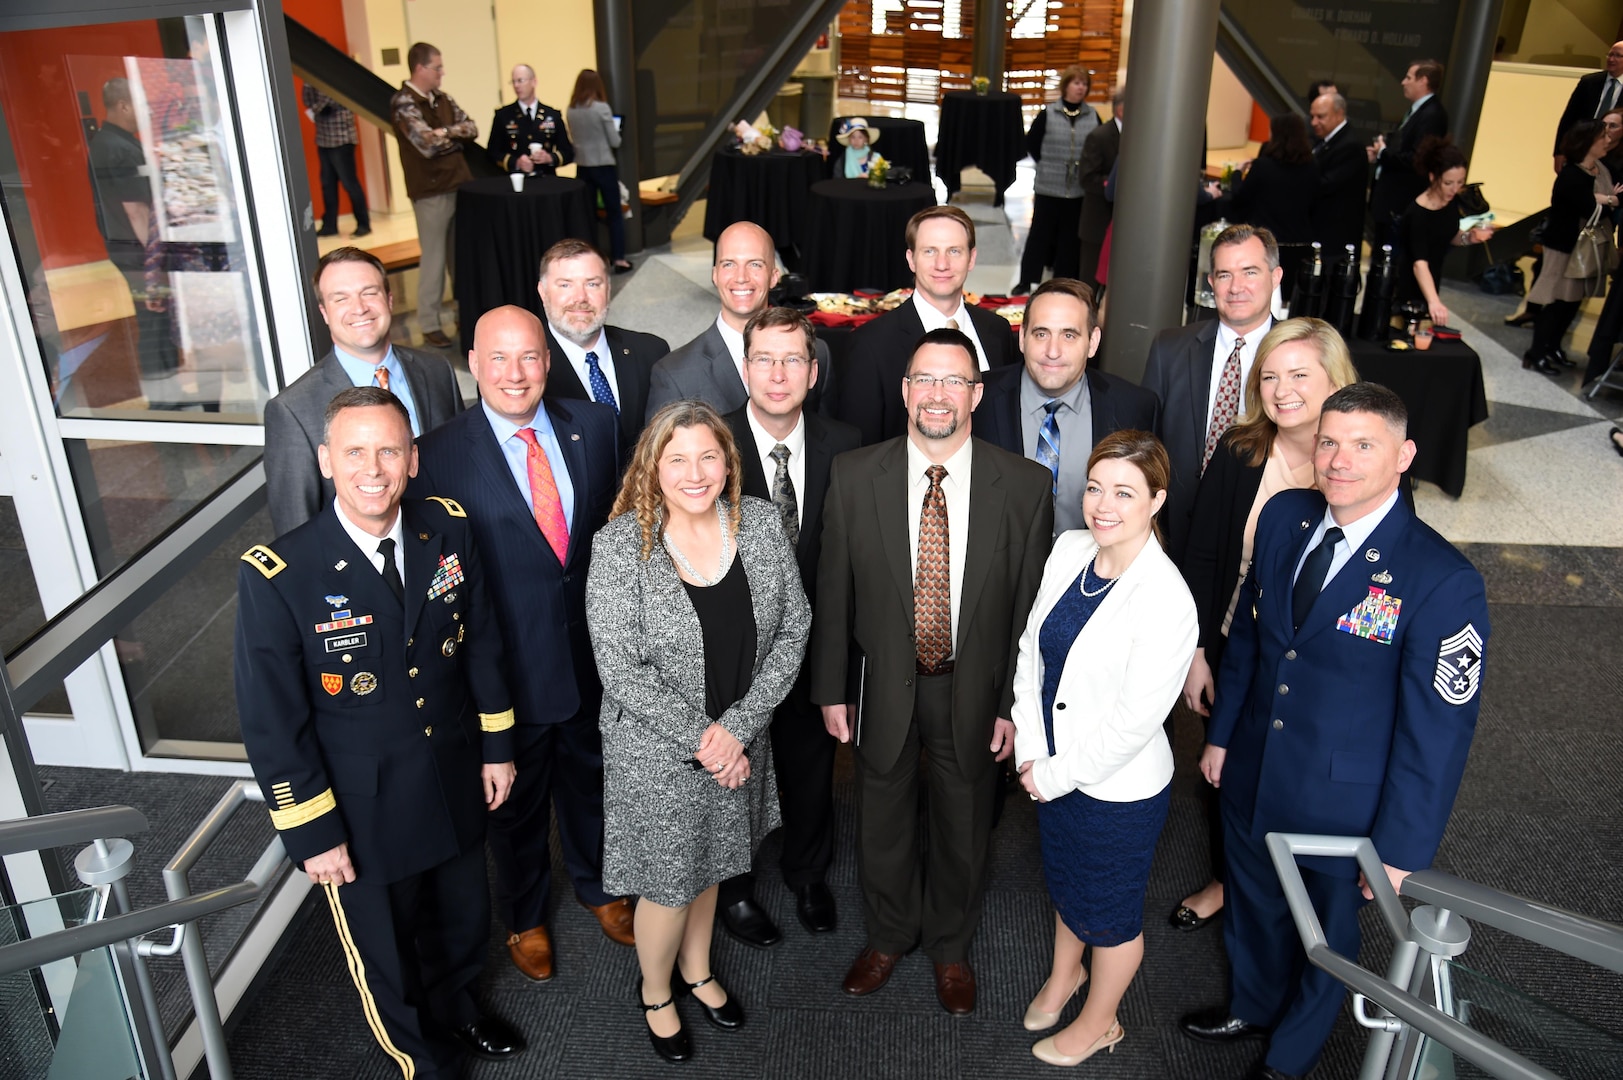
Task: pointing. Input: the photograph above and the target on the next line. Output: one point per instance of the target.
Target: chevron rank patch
(1459, 666)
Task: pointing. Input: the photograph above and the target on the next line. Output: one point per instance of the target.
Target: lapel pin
(422, 536)
(1383, 578)
(1304, 524)
(574, 436)
(1372, 555)
(340, 564)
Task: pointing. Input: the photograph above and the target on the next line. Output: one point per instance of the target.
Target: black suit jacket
(1399, 183)
(541, 604)
(865, 595)
(635, 354)
(511, 134)
(824, 439)
(1337, 216)
(1115, 405)
(871, 376)
(294, 419)
(1581, 105)
(1099, 151)
(1277, 197)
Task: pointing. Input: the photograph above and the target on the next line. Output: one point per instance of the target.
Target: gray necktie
(1608, 98)
(783, 495)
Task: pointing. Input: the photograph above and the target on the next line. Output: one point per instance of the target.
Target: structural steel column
(1465, 82)
(991, 18)
(1164, 117)
(617, 63)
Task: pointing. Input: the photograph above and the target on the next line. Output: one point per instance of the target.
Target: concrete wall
(1514, 143)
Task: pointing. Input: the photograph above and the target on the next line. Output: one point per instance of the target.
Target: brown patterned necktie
(380, 377)
(1227, 405)
(932, 581)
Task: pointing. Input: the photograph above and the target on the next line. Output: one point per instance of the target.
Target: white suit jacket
(1122, 675)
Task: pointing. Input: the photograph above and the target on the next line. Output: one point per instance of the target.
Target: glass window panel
(21, 612)
(124, 192)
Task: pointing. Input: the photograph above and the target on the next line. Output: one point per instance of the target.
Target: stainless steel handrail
(1590, 940)
(69, 827)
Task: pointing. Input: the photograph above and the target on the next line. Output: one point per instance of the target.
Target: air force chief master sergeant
(379, 728)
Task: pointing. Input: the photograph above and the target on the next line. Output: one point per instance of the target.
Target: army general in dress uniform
(380, 730)
(528, 122)
(1346, 703)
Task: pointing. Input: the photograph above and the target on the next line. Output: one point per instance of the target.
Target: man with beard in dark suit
(1338, 207)
(787, 452)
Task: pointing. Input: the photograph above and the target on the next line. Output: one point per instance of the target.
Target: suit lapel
(632, 389)
(819, 460)
(890, 492)
(986, 499)
(567, 432)
(562, 382)
(422, 547)
(754, 480)
(1200, 374)
(724, 373)
(1007, 412)
(1104, 416)
(419, 389)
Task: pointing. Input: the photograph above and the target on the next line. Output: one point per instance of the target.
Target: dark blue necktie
(1048, 442)
(602, 393)
(1310, 582)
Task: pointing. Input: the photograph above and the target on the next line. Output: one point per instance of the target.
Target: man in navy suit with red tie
(537, 480)
(1346, 703)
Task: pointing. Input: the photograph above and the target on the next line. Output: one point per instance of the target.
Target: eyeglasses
(954, 383)
(767, 363)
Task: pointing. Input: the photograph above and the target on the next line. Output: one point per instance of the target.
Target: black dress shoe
(676, 1047)
(325, 231)
(491, 1038)
(364, 230)
(815, 906)
(747, 922)
(1216, 1025)
(1185, 919)
(729, 1017)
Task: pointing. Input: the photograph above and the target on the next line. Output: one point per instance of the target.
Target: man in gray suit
(711, 366)
(933, 547)
(1199, 371)
(352, 293)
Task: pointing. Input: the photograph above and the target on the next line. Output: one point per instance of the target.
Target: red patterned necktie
(549, 508)
(932, 581)
(1227, 404)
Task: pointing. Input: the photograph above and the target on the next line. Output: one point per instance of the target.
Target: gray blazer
(293, 421)
(704, 369)
(591, 127)
(671, 831)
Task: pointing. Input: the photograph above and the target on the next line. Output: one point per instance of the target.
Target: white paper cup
(535, 148)
(518, 180)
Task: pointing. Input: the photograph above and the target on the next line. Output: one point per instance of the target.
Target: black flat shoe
(677, 1047)
(815, 906)
(1541, 364)
(729, 1016)
(1216, 1025)
(1185, 919)
(748, 922)
(491, 1038)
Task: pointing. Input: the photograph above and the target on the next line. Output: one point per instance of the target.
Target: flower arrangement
(878, 170)
(753, 140)
(981, 84)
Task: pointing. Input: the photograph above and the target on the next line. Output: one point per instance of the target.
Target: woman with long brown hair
(698, 623)
(596, 135)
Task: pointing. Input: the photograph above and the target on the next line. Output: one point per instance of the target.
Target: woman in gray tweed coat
(698, 621)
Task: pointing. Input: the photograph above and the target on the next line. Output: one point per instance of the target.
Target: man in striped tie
(537, 480)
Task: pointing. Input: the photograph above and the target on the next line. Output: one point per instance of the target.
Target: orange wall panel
(326, 19)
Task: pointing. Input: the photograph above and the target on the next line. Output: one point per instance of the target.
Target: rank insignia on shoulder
(332, 683)
(1459, 666)
(452, 507)
(1375, 619)
(264, 560)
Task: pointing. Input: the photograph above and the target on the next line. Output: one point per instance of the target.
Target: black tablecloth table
(1445, 394)
(769, 189)
(984, 130)
(855, 234)
(501, 235)
(901, 142)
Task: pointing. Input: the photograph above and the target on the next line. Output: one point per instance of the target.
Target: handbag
(1594, 255)
(1500, 278)
(1471, 201)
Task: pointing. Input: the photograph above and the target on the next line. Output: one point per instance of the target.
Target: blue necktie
(1048, 442)
(602, 393)
(1310, 582)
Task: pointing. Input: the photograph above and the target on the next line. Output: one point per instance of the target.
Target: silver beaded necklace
(1083, 583)
(722, 562)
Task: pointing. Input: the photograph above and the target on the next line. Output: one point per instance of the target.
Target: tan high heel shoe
(1037, 1020)
(1047, 1051)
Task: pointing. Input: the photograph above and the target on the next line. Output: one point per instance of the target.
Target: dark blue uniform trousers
(415, 949)
(1272, 983)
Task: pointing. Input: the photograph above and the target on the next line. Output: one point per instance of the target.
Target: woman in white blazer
(1102, 660)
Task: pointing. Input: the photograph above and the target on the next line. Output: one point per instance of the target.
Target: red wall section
(1259, 124)
(41, 74)
(326, 19)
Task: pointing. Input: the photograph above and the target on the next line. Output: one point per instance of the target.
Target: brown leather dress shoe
(869, 971)
(615, 917)
(532, 953)
(955, 988)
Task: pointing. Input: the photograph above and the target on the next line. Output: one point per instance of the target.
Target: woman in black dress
(1430, 224)
(1277, 191)
(1582, 185)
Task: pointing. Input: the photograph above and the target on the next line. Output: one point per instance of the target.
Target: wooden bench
(398, 256)
(650, 197)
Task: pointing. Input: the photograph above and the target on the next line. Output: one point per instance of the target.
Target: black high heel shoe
(678, 1047)
(729, 1016)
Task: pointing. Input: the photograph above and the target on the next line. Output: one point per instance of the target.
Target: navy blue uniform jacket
(1331, 732)
(364, 726)
(541, 605)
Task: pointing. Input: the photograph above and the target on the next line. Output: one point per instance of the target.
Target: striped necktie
(1048, 441)
(547, 505)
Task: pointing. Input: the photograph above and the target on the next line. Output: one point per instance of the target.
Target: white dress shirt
(734, 340)
(795, 441)
(605, 360)
(955, 486)
(1352, 538)
(1220, 356)
(934, 320)
(369, 543)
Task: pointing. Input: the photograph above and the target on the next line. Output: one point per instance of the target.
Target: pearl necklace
(722, 562)
(1083, 584)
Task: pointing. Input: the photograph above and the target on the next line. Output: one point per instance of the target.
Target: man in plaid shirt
(335, 147)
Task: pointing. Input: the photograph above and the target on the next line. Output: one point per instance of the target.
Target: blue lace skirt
(1096, 861)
